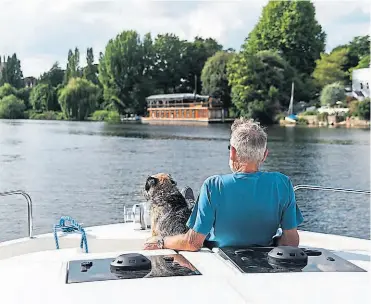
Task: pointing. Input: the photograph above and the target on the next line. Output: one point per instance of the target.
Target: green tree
(290, 28)
(330, 68)
(24, 94)
(54, 76)
(363, 109)
(91, 69)
(214, 77)
(43, 97)
(73, 65)
(168, 51)
(6, 90)
(125, 74)
(362, 64)
(261, 84)
(11, 107)
(332, 93)
(78, 98)
(12, 72)
(358, 48)
(195, 56)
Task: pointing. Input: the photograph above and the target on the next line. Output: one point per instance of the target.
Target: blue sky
(42, 31)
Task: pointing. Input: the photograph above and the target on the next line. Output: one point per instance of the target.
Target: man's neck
(249, 168)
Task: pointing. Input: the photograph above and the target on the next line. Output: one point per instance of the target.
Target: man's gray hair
(249, 139)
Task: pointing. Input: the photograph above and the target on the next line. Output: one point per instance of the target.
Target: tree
(362, 64)
(78, 99)
(195, 55)
(359, 48)
(43, 97)
(54, 76)
(73, 65)
(332, 93)
(330, 68)
(290, 28)
(363, 109)
(12, 72)
(261, 84)
(214, 77)
(90, 71)
(168, 51)
(11, 107)
(6, 90)
(125, 74)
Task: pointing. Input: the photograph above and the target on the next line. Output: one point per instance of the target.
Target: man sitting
(245, 207)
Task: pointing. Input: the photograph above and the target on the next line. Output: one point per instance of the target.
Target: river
(90, 170)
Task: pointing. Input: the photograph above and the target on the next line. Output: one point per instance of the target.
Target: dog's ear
(171, 180)
(151, 182)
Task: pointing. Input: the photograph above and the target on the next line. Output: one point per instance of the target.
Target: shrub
(106, 115)
(48, 115)
(308, 113)
(332, 93)
(11, 107)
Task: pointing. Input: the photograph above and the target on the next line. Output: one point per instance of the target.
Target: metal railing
(29, 207)
(311, 187)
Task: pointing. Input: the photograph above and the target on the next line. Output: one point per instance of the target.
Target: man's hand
(289, 238)
(151, 243)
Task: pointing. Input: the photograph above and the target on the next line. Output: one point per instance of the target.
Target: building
(361, 83)
(184, 107)
(29, 82)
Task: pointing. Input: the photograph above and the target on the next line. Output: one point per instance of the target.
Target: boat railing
(142, 217)
(29, 207)
(320, 188)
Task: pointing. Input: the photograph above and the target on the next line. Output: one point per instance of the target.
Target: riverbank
(327, 121)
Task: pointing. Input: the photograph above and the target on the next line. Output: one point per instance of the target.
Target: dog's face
(160, 182)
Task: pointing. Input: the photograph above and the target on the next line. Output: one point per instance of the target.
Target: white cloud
(42, 31)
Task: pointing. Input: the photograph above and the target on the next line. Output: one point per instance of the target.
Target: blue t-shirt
(241, 209)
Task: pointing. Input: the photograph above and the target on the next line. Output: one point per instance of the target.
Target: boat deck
(33, 271)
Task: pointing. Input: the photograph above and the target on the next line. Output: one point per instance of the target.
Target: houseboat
(184, 108)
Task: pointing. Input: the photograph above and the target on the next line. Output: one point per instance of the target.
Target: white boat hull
(33, 271)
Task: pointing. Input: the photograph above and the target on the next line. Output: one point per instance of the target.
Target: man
(245, 207)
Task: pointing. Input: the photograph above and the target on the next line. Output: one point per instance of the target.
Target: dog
(169, 210)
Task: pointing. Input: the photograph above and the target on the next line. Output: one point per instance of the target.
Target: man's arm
(291, 219)
(289, 238)
(190, 241)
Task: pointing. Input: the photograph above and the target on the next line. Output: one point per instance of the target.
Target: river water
(90, 170)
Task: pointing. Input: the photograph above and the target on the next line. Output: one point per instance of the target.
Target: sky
(42, 31)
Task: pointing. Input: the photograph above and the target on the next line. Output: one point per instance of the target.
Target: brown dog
(168, 208)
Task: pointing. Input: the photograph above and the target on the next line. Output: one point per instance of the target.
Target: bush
(361, 109)
(11, 107)
(332, 93)
(105, 115)
(302, 121)
(7, 90)
(48, 115)
(322, 116)
(308, 113)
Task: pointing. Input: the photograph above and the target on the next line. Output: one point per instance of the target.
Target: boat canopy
(178, 96)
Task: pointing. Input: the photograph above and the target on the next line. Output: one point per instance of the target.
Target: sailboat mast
(291, 107)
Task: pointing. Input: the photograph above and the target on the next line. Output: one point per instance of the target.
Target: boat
(106, 264)
(291, 118)
(184, 108)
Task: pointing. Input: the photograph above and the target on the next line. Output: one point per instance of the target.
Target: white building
(361, 80)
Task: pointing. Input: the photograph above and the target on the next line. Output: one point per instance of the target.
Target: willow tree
(78, 98)
(43, 97)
